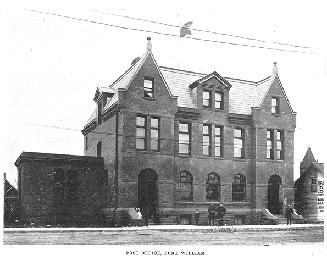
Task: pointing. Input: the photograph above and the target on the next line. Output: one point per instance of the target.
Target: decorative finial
(275, 69)
(149, 44)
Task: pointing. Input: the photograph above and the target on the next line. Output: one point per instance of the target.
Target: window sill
(184, 155)
(239, 159)
(212, 202)
(149, 98)
(147, 151)
(275, 114)
(213, 157)
(185, 202)
(237, 202)
(213, 109)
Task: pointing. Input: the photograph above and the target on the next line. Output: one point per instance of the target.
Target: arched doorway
(148, 190)
(274, 199)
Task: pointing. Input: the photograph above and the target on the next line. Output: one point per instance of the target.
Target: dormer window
(148, 88)
(274, 105)
(219, 100)
(206, 99)
(104, 101)
(212, 99)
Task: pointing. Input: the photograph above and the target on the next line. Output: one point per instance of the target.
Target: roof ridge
(175, 70)
(244, 81)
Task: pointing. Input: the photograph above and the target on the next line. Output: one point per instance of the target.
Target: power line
(165, 34)
(207, 31)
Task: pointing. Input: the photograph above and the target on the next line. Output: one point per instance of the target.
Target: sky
(52, 65)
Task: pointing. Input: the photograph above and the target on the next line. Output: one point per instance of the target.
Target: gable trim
(283, 90)
(214, 74)
(158, 69)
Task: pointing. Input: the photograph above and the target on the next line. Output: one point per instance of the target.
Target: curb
(171, 228)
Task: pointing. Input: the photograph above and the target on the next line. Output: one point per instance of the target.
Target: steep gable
(265, 86)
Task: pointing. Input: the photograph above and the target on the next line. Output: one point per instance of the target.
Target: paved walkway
(176, 228)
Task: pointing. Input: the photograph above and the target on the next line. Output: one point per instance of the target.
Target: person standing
(288, 213)
(196, 217)
(145, 215)
(221, 211)
(211, 216)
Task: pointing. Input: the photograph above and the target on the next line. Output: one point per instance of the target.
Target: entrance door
(274, 201)
(148, 190)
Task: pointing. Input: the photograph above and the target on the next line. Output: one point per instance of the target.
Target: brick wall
(45, 200)
(168, 163)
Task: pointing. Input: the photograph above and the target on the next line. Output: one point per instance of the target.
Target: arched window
(99, 149)
(239, 188)
(185, 186)
(213, 187)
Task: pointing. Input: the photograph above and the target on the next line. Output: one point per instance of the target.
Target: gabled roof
(123, 82)
(103, 90)
(214, 74)
(243, 94)
(308, 159)
(178, 82)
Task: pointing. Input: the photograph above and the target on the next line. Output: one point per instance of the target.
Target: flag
(185, 29)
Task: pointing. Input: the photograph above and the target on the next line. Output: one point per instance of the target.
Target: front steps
(277, 219)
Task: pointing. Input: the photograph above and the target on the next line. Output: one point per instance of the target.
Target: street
(164, 236)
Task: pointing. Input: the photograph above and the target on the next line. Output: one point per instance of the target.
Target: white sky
(53, 65)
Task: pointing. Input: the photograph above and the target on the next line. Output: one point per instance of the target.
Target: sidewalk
(175, 228)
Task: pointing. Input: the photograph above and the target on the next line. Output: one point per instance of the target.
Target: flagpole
(178, 42)
(179, 38)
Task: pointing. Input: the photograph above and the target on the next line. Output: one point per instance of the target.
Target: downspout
(116, 158)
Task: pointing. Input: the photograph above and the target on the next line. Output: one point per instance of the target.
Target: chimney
(149, 44)
(275, 69)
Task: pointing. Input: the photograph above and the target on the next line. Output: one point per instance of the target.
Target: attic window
(219, 102)
(275, 105)
(148, 88)
(104, 101)
(206, 98)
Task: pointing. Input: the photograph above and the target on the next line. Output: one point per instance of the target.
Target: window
(206, 143)
(85, 142)
(218, 141)
(239, 143)
(275, 105)
(104, 101)
(239, 188)
(99, 112)
(185, 186)
(213, 187)
(154, 132)
(184, 138)
(206, 98)
(280, 144)
(99, 149)
(270, 144)
(141, 132)
(219, 100)
(313, 184)
(148, 88)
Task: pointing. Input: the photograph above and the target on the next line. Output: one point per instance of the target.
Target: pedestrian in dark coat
(196, 217)
(145, 215)
(288, 213)
(211, 211)
(220, 212)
